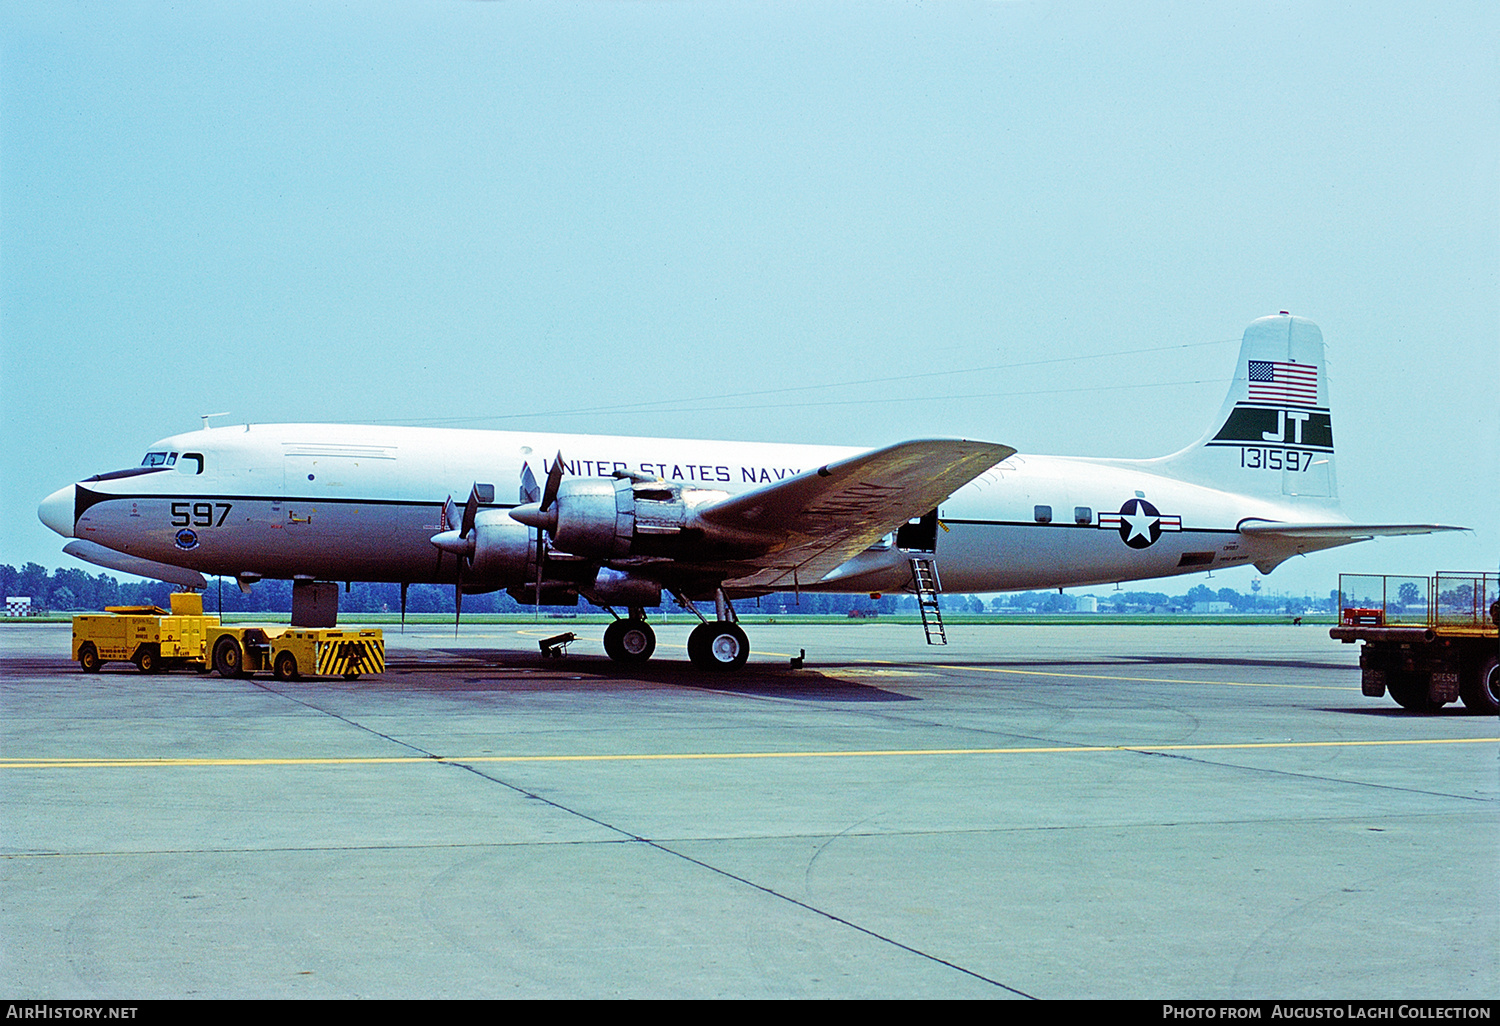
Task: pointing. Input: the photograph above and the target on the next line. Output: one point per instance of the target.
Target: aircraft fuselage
(339, 502)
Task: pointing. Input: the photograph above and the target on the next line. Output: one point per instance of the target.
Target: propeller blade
(470, 509)
(554, 479)
(530, 490)
(458, 594)
(541, 555)
(450, 515)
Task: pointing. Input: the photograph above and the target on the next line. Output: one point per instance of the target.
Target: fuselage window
(484, 492)
(1083, 515)
(1043, 514)
(196, 457)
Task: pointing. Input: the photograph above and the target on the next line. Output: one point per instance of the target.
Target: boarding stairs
(925, 583)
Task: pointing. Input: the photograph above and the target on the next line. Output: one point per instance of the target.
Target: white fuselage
(346, 502)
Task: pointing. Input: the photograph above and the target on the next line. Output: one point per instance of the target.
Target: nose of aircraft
(56, 511)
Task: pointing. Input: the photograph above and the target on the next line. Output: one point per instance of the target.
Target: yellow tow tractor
(292, 652)
(185, 638)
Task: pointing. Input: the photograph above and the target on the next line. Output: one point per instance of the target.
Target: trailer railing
(1448, 599)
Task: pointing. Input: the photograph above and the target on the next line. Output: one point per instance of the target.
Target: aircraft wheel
(1480, 691)
(629, 641)
(286, 667)
(1410, 691)
(147, 659)
(88, 658)
(229, 660)
(718, 646)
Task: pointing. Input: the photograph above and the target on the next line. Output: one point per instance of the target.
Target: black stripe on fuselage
(1077, 527)
(84, 498)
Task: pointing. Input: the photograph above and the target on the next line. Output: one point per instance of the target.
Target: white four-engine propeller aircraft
(622, 520)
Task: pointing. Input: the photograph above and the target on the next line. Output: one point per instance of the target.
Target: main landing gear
(630, 641)
(717, 644)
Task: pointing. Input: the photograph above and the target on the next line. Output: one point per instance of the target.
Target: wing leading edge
(828, 515)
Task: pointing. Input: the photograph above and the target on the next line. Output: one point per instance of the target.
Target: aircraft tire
(1479, 690)
(286, 667)
(88, 658)
(629, 641)
(1410, 691)
(718, 646)
(229, 659)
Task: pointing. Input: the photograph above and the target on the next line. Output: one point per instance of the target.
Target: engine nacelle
(504, 551)
(612, 518)
(616, 588)
(595, 517)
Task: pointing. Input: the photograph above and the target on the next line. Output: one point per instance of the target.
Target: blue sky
(1058, 218)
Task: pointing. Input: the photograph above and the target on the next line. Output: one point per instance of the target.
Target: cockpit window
(159, 459)
(196, 458)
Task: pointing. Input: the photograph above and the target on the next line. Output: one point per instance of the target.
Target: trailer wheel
(147, 659)
(1410, 691)
(1479, 690)
(286, 667)
(229, 660)
(88, 658)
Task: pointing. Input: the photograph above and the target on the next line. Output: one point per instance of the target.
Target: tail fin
(1274, 435)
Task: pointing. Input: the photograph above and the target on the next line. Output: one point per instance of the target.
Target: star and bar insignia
(1140, 524)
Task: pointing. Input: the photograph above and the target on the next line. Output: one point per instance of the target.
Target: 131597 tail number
(1274, 459)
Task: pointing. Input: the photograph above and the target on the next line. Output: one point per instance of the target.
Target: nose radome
(56, 511)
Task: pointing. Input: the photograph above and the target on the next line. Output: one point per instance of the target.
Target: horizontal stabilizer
(93, 552)
(1345, 532)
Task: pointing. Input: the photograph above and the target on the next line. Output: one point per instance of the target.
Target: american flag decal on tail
(1272, 382)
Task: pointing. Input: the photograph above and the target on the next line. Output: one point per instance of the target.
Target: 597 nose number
(199, 514)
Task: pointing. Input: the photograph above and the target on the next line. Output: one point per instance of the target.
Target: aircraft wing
(93, 552)
(1337, 532)
(825, 517)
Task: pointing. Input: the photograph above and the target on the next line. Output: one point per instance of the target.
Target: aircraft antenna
(205, 417)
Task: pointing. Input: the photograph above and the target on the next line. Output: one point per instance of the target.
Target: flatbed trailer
(157, 639)
(1427, 640)
(153, 638)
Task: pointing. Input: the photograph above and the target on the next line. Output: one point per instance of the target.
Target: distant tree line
(77, 590)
